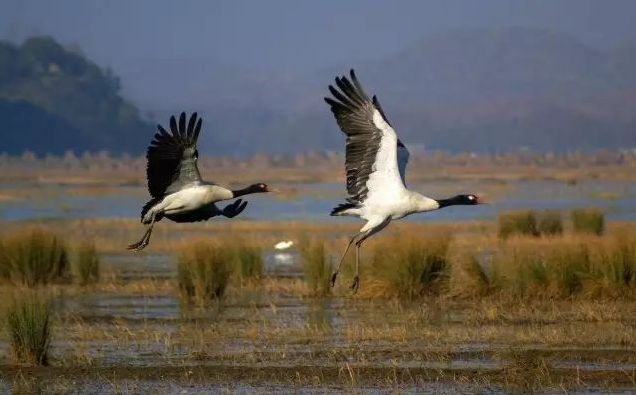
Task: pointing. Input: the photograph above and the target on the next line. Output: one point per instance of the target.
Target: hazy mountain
(52, 99)
(480, 90)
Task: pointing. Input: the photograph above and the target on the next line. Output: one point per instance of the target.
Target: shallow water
(142, 342)
(314, 201)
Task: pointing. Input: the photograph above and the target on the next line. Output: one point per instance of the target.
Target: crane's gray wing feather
(402, 152)
(172, 156)
(355, 114)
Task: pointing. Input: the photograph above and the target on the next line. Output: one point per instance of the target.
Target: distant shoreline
(102, 168)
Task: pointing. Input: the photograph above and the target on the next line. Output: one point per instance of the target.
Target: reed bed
(33, 257)
(247, 260)
(316, 268)
(550, 223)
(406, 266)
(85, 264)
(588, 220)
(28, 322)
(518, 223)
(564, 267)
(203, 272)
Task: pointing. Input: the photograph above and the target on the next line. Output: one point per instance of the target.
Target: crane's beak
(273, 190)
(482, 200)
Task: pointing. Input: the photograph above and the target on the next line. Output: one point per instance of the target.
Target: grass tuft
(518, 223)
(468, 277)
(316, 268)
(29, 328)
(550, 223)
(85, 264)
(203, 272)
(565, 267)
(248, 261)
(33, 258)
(588, 220)
(410, 266)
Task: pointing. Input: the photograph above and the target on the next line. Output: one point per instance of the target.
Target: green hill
(53, 98)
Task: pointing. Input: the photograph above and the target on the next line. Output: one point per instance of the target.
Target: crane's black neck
(446, 202)
(256, 188)
(242, 192)
(459, 200)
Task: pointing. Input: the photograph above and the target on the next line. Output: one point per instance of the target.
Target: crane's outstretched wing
(402, 153)
(172, 157)
(209, 211)
(372, 145)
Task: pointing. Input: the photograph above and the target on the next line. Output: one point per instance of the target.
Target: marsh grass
(85, 264)
(28, 321)
(33, 257)
(615, 264)
(468, 277)
(247, 261)
(564, 267)
(203, 272)
(588, 220)
(410, 266)
(316, 268)
(550, 223)
(518, 223)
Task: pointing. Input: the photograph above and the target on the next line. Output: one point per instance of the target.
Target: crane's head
(259, 188)
(467, 200)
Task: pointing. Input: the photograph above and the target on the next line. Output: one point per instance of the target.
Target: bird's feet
(138, 246)
(355, 284)
(234, 209)
(332, 282)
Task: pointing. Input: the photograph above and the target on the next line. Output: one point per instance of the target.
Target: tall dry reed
(28, 322)
(33, 257)
(85, 264)
(408, 266)
(316, 268)
(203, 272)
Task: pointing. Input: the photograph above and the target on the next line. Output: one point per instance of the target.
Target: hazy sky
(293, 35)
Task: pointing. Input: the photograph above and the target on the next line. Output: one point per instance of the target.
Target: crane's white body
(375, 164)
(189, 199)
(388, 198)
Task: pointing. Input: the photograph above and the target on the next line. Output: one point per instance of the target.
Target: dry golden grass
(32, 257)
(28, 322)
(477, 263)
(562, 267)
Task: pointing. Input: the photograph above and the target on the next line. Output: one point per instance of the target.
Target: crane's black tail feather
(342, 208)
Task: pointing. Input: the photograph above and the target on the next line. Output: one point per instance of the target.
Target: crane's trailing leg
(335, 273)
(141, 244)
(356, 278)
(368, 230)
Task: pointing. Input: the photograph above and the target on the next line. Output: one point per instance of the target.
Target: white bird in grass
(178, 192)
(375, 164)
(283, 245)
